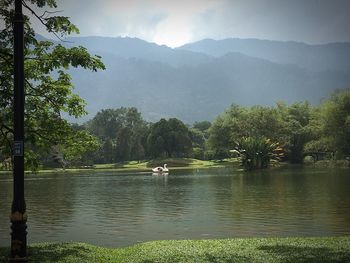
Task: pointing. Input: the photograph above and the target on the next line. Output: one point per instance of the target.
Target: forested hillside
(194, 86)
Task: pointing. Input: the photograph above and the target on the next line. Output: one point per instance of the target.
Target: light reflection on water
(121, 209)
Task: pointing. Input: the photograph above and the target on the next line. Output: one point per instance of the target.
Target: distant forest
(299, 129)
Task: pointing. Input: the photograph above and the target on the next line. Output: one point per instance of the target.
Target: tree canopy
(299, 128)
(122, 134)
(48, 87)
(170, 138)
(331, 122)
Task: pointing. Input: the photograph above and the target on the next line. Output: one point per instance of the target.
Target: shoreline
(142, 167)
(174, 163)
(264, 250)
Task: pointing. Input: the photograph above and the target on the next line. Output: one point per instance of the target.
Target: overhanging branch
(41, 20)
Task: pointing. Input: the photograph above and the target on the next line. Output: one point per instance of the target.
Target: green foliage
(169, 138)
(123, 144)
(122, 133)
(238, 122)
(330, 125)
(291, 126)
(198, 153)
(198, 138)
(297, 129)
(107, 150)
(256, 152)
(202, 125)
(48, 87)
(336, 119)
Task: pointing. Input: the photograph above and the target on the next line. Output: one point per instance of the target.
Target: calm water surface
(114, 210)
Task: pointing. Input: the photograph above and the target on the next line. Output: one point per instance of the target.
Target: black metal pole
(18, 210)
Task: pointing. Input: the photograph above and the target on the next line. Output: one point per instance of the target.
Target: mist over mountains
(332, 56)
(199, 80)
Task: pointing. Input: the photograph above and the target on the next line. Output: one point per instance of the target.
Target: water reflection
(119, 210)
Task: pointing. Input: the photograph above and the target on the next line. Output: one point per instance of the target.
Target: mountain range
(199, 80)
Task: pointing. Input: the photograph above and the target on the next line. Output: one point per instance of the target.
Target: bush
(256, 152)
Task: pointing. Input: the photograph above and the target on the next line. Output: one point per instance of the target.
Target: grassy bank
(330, 163)
(272, 250)
(178, 164)
(145, 166)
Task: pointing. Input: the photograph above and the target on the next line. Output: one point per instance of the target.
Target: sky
(177, 22)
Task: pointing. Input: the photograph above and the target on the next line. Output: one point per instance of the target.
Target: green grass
(130, 166)
(173, 163)
(264, 250)
(331, 163)
(191, 163)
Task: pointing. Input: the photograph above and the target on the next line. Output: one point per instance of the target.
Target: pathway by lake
(115, 210)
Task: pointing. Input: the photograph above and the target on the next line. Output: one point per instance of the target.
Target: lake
(115, 210)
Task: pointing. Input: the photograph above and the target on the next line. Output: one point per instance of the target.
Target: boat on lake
(160, 169)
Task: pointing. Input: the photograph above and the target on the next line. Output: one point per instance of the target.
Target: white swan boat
(160, 169)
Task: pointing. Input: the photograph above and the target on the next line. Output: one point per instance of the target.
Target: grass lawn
(173, 164)
(269, 250)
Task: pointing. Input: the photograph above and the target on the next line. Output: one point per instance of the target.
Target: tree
(105, 123)
(297, 129)
(123, 144)
(199, 136)
(170, 138)
(107, 152)
(48, 87)
(335, 121)
(137, 150)
(222, 130)
(287, 125)
(202, 125)
(238, 122)
(124, 128)
(256, 152)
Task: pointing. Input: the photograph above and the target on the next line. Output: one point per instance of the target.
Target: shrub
(256, 152)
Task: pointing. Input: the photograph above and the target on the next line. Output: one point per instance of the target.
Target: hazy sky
(176, 22)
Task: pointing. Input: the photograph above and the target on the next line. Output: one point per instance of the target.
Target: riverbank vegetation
(255, 135)
(272, 250)
(143, 166)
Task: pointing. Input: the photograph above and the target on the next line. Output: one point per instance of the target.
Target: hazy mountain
(126, 47)
(333, 56)
(198, 91)
(193, 86)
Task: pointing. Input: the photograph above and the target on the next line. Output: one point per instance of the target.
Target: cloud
(177, 22)
(164, 22)
(308, 21)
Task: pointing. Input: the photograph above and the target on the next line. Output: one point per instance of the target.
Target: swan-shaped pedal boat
(160, 169)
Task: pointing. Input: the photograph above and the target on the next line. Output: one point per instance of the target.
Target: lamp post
(18, 210)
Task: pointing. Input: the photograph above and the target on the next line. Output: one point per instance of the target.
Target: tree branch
(37, 132)
(40, 93)
(47, 13)
(6, 127)
(9, 130)
(43, 22)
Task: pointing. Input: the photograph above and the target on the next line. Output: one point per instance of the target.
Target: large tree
(297, 129)
(48, 87)
(170, 138)
(121, 131)
(333, 126)
(238, 122)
